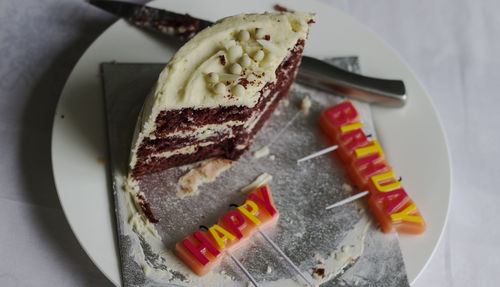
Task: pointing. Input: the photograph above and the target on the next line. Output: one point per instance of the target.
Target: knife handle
(321, 75)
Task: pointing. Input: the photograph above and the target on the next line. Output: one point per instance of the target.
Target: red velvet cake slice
(218, 90)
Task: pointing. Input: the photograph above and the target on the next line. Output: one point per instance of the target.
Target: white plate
(412, 137)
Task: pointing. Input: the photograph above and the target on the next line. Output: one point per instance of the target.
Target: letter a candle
(366, 166)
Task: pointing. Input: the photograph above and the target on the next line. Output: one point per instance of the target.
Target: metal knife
(312, 72)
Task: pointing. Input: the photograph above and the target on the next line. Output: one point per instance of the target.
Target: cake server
(312, 72)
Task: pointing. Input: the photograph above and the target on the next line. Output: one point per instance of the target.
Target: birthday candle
(203, 251)
(367, 167)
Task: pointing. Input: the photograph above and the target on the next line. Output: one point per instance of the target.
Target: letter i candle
(366, 166)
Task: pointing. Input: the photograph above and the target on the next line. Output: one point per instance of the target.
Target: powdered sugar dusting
(299, 193)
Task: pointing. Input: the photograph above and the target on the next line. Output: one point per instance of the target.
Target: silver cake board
(306, 232)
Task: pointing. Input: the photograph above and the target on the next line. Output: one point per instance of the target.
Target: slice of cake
(218, 90)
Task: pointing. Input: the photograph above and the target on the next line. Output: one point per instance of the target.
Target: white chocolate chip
(213, 78)
(259, 33)
(243, 35)
(235, 69)
(220, 89)
(245, 61)
(251, 78)
(258, 56)
(238, 90)
(234, 53)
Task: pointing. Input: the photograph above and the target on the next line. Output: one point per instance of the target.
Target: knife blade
(312, 72)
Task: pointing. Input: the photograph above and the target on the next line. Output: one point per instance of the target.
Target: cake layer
(154, 164)
(172, 142)
(189, 119)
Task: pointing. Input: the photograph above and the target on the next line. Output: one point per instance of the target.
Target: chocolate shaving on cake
(222, 60)
(244, 82)
(279, 8)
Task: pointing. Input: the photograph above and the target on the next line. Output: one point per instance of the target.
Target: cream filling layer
(207, 131)
(184, 150)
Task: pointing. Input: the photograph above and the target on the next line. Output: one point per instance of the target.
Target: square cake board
(344, 241)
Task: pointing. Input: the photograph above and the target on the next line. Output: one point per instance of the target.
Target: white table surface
(451, 45)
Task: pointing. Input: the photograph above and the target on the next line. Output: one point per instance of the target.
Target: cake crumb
(318, 258)
(285, 102)
(343, 255)
(269, 269)
(347, 187)
(208, 171)
(260, 180)
(318, 272)
(305, 105)
(261, 152)
(277, 112)
(272, 157)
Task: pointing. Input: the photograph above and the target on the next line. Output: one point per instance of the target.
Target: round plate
(412, 137)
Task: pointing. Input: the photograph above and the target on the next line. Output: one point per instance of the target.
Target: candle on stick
(366, 166)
